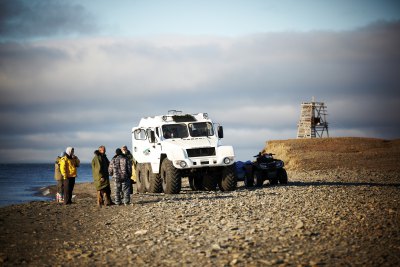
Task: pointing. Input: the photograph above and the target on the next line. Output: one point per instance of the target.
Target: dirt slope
(350, 153)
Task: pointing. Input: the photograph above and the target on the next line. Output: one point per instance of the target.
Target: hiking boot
(106, 200)
(100, 201)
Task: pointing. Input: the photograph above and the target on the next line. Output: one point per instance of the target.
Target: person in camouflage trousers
(129, 156)
(120, 170)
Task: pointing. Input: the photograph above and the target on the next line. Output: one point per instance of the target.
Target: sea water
(20, 183)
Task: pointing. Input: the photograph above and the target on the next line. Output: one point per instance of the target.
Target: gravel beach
(328, 217)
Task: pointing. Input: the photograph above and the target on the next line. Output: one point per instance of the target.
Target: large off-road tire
(209, 182)
(171, 178)
(258, 178)
(282, 176)
(140, 175)
(152, 181)
(196, 183)
(228, 180)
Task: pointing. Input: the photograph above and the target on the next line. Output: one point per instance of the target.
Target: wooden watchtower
(312, 121)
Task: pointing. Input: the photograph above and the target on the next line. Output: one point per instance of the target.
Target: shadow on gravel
(168, 198)
(297, 183)
(319, 183)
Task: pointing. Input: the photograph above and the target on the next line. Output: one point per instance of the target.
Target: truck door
(154, 148)
(139, 144)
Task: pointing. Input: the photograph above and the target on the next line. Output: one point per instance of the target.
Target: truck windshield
(200, 129)
(175, 131)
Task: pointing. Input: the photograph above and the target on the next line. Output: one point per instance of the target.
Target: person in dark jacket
(120, 169)
(129, 156)
(100, 165)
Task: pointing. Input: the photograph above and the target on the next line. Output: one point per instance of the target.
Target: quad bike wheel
(258, 178)
(282, 176)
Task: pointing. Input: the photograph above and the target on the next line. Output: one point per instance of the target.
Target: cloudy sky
(83, 73)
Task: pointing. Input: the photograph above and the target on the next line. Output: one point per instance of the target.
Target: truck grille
(201, 152)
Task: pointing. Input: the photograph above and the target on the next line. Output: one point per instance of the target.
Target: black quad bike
(265, 167)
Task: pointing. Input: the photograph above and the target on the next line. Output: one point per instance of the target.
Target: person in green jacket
(100, 164)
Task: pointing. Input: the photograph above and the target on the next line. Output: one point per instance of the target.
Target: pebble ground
(335, 218)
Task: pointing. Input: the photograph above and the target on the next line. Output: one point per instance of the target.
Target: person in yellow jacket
(68, 165)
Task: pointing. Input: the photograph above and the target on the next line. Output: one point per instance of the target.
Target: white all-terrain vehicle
(170, 147)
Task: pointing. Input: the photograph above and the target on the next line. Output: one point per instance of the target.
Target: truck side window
(140, 134)
(148, 132)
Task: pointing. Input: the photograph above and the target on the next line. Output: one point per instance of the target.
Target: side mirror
(152, 137)
(220, 132)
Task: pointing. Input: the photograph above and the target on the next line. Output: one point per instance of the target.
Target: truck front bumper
(190, 163)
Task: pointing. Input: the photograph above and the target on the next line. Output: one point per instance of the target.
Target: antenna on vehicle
(174, 112)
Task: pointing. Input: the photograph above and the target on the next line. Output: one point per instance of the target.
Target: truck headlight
(182, 163)
(227, 160)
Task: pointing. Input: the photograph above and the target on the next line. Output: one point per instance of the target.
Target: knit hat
(68, 151)
(118, 151)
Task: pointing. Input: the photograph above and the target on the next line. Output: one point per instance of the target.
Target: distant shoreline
(48, 193)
